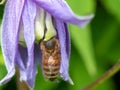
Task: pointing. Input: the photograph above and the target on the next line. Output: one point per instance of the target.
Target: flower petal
(37, 57)
(24, 56)
(28, 17)
(68, 43)
(60, 26)
(10, 29)
(21, 61)
(60, 9)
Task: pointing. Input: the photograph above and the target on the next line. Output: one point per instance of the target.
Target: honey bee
(50, 58)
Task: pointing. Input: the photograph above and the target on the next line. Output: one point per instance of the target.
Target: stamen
(40, 24)
(51, 32)
(3, 2)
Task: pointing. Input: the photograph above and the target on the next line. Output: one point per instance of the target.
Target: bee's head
(49, 45)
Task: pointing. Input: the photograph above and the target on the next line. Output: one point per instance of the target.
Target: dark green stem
(20, 85)
(104, 77)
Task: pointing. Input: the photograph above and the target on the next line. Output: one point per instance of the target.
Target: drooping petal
(10, 29)
(21, 61)
(68, 43)
(60, 9)
(21, 67)
(28, 17)
(60, 26)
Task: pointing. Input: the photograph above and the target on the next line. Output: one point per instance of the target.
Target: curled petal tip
(70, 81)
(91, 16)
(30, 84)
(84, 20)
(67, 78)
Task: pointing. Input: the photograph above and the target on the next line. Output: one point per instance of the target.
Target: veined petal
(28, 17)
(37, 57)
(68, 43)
(21, 61)
(22, 51)
(60, 26)
(60, 9)
(10, 29)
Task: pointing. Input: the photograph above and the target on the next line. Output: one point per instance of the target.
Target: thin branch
(104, 77)
(20, 85)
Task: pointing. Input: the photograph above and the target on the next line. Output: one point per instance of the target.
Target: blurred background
(94, 49)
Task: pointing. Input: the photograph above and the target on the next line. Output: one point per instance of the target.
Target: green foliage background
(95, 48)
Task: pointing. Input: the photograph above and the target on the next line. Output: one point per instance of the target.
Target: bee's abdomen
(51, 70)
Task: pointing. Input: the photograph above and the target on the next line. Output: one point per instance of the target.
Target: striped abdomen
(51, 58)
(51, 67)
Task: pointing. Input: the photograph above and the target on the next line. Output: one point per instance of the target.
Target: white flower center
(44, 28)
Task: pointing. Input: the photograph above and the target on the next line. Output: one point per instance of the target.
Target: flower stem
(20, 85)
(104, 77)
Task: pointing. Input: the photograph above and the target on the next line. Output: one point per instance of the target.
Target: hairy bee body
(51, 58)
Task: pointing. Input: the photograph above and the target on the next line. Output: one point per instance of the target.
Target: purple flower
(25, 22)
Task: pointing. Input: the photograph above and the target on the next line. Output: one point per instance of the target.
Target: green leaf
(107, 38)
(83, 43)
(1, 15)
(1, 12)
(82, 39)
(82, 6)
(80, 76)
(105, 30)
(1, 58)
(77, 70)
(112, 6)
(2, 71)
